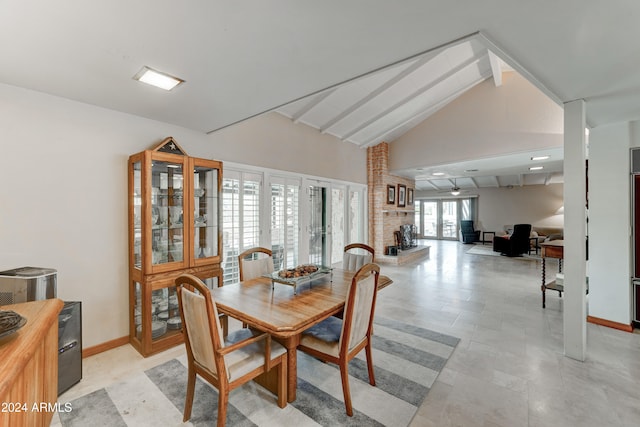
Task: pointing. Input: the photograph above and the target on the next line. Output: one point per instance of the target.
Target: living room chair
(467, 232)
(356, 255)
(340, 340)
(255, 262)
(514, 244)
(225, 364)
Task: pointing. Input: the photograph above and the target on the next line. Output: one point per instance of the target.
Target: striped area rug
(407, 361)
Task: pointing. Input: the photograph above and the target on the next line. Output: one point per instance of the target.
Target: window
(240, 218)
(285, 229)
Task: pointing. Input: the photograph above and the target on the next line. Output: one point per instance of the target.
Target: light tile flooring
(508, 370)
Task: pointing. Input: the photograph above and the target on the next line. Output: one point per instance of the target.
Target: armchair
(467, 233)
(515, 244)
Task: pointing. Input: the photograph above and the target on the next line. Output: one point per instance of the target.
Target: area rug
(488, 250)
(407, 361)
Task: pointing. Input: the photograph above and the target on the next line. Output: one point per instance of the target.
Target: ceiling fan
(455, 190)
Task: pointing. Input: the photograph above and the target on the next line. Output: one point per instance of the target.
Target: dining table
(275, 308)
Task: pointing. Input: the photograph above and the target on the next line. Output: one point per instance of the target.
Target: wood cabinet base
(29, 367)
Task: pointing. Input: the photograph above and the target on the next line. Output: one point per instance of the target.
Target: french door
(439, 219)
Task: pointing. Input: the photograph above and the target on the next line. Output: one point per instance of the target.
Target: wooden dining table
(275, 309)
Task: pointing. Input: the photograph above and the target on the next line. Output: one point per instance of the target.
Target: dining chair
(255, 262)
(225, 364)
(340, 340)
(356, 255)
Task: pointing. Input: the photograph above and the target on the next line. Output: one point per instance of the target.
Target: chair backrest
(521, 231)
(255, 262)
(359, 307)
(352, 260)
(466, 226)
(202, 329)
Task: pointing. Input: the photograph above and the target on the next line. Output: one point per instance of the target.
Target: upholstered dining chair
(340, 340)
(255, 262)
(352, 260)
(225, 364)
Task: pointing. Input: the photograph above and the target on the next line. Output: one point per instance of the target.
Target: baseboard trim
(610, 324)
(109, 345)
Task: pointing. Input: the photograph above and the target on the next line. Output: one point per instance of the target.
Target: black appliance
(69, 345)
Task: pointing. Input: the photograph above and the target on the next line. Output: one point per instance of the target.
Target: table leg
(291, 344)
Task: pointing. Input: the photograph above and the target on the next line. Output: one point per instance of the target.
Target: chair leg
(223, 401)
(344, 374)
(191, 385)
(372, 379)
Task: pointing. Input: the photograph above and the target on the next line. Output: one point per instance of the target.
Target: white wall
(64, 194)
(274, 141)
(609, 267)
(530, 204)
(484, 122)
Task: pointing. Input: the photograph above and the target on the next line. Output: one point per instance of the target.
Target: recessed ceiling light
(157, 79)
(437, 173)
(540, 158)
(536, 168)
(471, 170)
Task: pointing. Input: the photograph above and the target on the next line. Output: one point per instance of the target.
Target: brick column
(384, 218)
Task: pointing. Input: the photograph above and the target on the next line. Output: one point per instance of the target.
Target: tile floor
(508, 370)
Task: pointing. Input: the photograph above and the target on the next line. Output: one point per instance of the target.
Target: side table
(484, 233)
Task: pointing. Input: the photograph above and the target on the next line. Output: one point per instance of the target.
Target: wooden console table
(552, 249)
(29, 367)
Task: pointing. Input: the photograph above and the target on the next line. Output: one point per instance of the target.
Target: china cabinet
(174, 228)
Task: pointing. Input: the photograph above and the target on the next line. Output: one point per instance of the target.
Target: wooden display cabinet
(174, 228)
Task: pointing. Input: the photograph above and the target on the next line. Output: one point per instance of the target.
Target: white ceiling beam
(428, 181)
(474, 182)
(496, 68)
(386, 85)
(547, 179)
(424, 114)
(520, 180)
(496, 181)
(311, 105)
(419, 91)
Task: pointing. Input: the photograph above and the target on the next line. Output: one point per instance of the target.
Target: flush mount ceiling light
(540, 158)
(437, 173)
(157, 79)
(536, 168)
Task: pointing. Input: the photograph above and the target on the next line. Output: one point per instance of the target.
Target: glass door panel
(205, 215)
(449, 219)
(318, 224)
(137, 215)
(430, 218)
(167, 204)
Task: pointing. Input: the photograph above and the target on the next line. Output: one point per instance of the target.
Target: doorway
(440, 218)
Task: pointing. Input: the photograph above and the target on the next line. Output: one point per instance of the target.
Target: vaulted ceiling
(383, 105)
(242, 59)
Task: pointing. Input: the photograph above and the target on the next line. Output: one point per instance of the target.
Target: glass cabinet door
(137, 215)
(206, 211)
(167, 210)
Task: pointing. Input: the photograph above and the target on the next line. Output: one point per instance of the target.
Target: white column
(574, 264)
